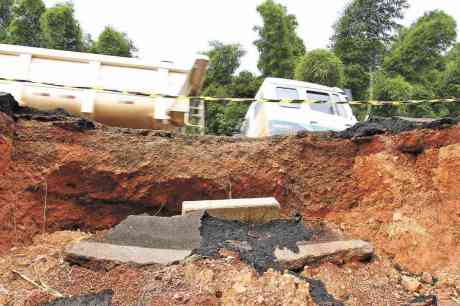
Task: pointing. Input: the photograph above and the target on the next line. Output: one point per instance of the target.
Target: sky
(179, 29)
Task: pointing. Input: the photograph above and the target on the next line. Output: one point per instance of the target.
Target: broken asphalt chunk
(317, 253)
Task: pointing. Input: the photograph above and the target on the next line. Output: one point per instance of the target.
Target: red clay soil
(400, 192)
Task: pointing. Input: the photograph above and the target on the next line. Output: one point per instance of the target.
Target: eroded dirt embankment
(398, 191)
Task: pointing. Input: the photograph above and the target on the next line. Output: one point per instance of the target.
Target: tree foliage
(365, 28)
(60, 29)
(24, 28)
(418, 51)
(224, 59)
(362, 35)
(279, 45)
(221, 81)
(451, 76)
(30, 23)
(113, 42)
(6, 11)
(225, 118)
(245, 85)
(392, 88)
(454, 53)
(320, 66)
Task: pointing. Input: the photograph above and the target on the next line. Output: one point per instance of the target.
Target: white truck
(116, 91)
(265, 119)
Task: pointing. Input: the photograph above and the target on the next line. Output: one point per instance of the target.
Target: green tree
(225, 118)
(6, 10)
(357, 79)
(396, 88)
(60, 29)
(113, 42)
(392, 88)
(451, 76)
(361, 36)
(279, 45)
(224, 60)
(24, 28)
(418, 52)
(245, 85)
(320, 66)
(454, 53)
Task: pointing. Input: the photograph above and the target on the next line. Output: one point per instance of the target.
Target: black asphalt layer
(8, 104)
(103, 298)
(394, 125)
(256, 243)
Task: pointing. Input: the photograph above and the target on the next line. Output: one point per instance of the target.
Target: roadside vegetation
(370, 53)
(31, 23)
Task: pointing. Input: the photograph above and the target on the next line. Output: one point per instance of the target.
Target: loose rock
(410, 284)
(3, 291)
(427, 278)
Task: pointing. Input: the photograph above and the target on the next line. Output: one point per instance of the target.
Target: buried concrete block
(257, 210)
(85, 251)
(317, 253)
(177, 233)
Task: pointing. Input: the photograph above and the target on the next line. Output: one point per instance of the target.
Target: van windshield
(326, 108)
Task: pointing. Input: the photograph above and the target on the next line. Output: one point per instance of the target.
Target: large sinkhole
(88, 200)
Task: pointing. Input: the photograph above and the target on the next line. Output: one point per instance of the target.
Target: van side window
(341, 110)
(287, 93)
(326, 108)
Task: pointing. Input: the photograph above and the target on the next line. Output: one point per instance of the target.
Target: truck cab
(265, 119)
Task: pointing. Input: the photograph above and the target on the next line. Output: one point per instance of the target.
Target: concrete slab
(257, 210)
(176, 233)
(316, 253)
(96, 251)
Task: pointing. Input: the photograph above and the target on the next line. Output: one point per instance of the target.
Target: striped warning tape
(226, 100)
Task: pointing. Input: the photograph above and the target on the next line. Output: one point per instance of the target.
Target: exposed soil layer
(256, 243)
(398, 191)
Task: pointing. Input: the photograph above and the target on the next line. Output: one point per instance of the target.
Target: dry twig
(40, 286)
(45, 208)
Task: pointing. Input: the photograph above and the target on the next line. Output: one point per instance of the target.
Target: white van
(265, 119)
